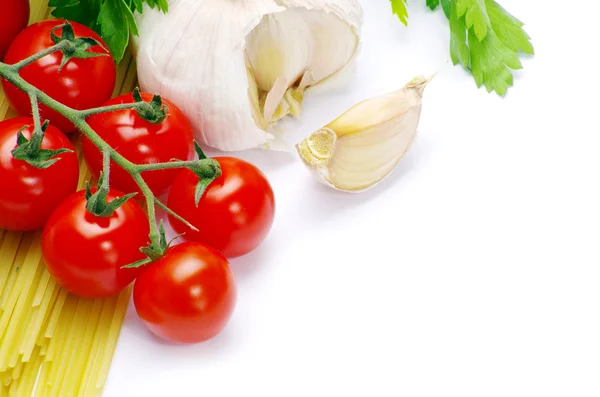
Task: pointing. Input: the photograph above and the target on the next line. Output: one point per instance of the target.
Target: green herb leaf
(509, 29)
(486, 40)
(446, 4)
(433, 4)
(490, 62)
(113, 20)
(459, 51)
(114, 26)
(399, 8)
(138, 5)
(84, 11)
(476, 16)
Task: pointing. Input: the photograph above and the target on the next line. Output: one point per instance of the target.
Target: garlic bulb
(235, 67)
(361, 147)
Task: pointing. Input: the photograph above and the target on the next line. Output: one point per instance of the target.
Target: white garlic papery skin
(235, 67)
(363, 146)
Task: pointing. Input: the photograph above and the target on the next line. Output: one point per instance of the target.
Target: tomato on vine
(187, 296)
(235, 213)
(81, 83)
(141, 142)
(13, 18)
(30, 193)
(86, 253)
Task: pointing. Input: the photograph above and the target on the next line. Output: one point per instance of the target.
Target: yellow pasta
(53, 343)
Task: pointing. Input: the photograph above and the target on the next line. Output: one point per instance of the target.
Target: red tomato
(81, 84)
(28, 194)
(187, 296)
(141, 142)
(234, 215)
(13, 18)
(85, 253)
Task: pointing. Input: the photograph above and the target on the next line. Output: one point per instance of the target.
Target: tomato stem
(21, 64)
(106, 166)
(176, 215)
(112, 108)
(208, 168)
(38, 133)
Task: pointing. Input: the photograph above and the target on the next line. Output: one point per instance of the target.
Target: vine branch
(204, 167)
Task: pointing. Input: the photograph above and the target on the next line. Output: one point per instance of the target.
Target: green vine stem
(203, 166)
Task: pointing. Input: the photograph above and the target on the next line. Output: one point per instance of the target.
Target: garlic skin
(235, 67)
(362, 147)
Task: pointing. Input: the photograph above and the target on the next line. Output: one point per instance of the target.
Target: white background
(474, 270)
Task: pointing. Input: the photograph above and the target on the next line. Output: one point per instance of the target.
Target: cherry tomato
(85, 253)
(13, 18)
(234, 215)
(141, 142)
(187, 296)
(81, 84)
(28, 194)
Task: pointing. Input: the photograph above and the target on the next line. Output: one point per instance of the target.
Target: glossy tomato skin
(85, 253)
(28, 194)
(234, 215)
(188, 296)
(141, 142)
(14, 17)
(81, 84)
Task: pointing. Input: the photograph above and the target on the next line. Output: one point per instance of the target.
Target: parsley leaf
(112, 19)
(486, 40)
(114, 25)
(399, 8)
(476, 16)
(459, 50)
(433, 4)
(84, 12)
(509, 29)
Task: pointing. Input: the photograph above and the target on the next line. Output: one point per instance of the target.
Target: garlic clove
(237, 67)
(294, 50)
(335, 43)
(274, 97)
(279, 49)
(363, 146)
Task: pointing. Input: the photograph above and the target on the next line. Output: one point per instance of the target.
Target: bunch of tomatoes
(185, 296)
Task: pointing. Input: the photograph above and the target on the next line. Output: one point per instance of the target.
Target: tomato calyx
(97, 203)
(74, 47)
(31, 151)
(154, 250)
(154, 112)
(207, 171)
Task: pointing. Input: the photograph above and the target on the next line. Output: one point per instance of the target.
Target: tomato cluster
(188, 294)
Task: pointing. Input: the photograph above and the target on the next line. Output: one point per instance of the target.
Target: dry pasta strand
(53, 343)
